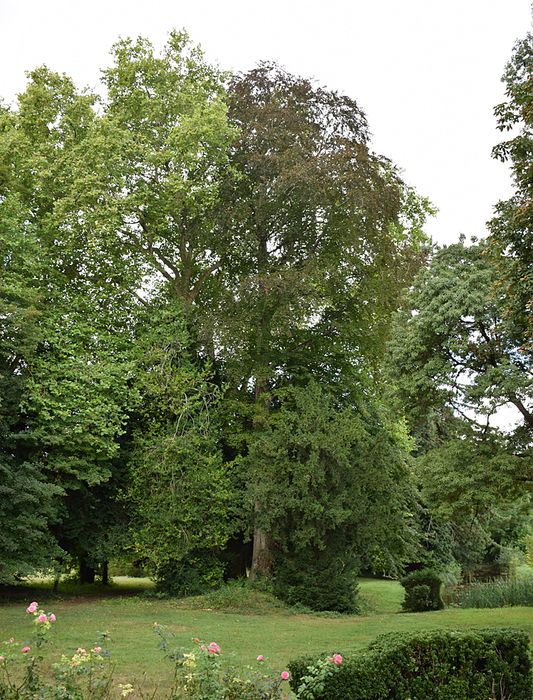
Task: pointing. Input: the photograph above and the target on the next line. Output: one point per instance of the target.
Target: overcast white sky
(427, 73)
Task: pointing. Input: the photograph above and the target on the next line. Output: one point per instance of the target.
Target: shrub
(422, 591)
(479, 665)
(496, 594)
(200, 571)
(238, 596)
(317, 579)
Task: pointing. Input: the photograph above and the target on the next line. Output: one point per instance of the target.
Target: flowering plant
(313, 683)
(200, 674)
(81, 676)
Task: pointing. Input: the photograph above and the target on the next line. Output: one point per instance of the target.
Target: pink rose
(52, 617)
(42, 618)
(260, 657)
(25, 650)
(97, 650)
(337, 659)
(284, 675)
(32, 607)
(213, 648)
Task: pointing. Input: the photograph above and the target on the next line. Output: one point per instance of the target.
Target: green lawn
(279, 636)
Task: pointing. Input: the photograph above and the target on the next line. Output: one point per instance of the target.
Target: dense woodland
(227, 347)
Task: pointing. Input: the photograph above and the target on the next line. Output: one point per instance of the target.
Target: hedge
(485, 664)
(422, 591)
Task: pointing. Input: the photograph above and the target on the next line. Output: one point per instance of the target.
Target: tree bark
(262, 558)
(105, 573)
(86, 573)
(262, 551)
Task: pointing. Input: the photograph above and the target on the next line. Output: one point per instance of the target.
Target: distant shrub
(422, 591)
(318, 580)
(197, 573)
(491, 664)
(236, 596)
(496, 594)
(127, 567)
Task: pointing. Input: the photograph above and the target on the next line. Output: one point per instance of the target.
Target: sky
(426, 73)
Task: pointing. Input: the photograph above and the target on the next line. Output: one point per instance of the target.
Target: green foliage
(177, 461)
(511, 229)
(454, 361)
(201, 675)
(452, 348)
(27, 498)
(320, 502)
(422, 591)
(492, 663)
(237, 596)
(496, 594)
(185, 265)
(194, 573)
(319, 580)
(27, 506)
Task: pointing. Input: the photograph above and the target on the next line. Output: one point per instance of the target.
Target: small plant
(312, 685)
(85, 674)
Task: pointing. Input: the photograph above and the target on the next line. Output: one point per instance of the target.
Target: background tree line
(227, 345)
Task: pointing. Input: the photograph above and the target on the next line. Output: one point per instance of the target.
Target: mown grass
(275, 632)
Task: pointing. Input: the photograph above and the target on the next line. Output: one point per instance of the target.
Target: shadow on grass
(71, 590)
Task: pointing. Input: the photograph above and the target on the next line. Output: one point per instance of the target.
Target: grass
(497, 594)
(261, 626)
(380, 595)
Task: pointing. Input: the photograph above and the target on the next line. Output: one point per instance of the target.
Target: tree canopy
(227, 347)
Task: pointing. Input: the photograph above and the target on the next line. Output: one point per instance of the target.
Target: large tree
(73, 375)
(512, 227)
(256, 217)
(454, 349)
(456, 364)
(324, 236)
(27, 500)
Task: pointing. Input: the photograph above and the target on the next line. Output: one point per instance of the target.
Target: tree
(454, 361)
(27, 501)
(332, 479)
(512, 227)
(453, 349)
(324, 235)
(73, 376)
(257, 227)
(180, 488)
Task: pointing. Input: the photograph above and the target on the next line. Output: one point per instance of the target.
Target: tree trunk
(262, 552)
(105, 573)
(262, 558)
(87, 573)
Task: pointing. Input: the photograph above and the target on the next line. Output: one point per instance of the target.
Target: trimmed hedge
(485, 664)
(422, 591)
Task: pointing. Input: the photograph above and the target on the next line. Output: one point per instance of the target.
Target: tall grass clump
(499, 593)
